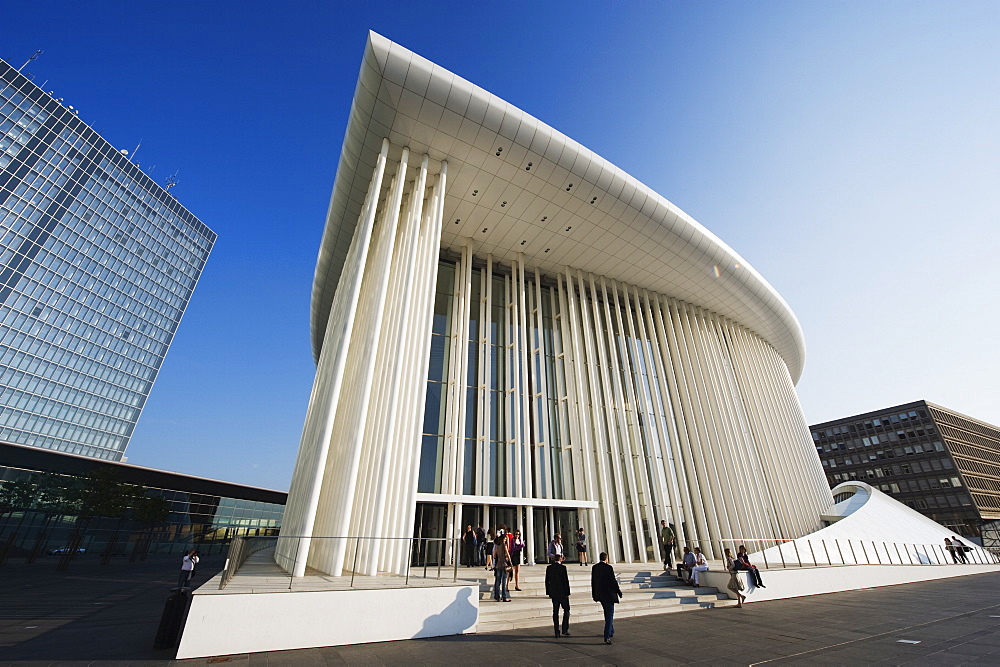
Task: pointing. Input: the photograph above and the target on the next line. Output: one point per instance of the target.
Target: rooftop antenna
(171, 181)
(34, 56)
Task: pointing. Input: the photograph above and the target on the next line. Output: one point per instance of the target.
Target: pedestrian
(516, 552)
(951, 549)
(960, 548)
(481, 545)
(188, 562)
(555, 548)
(743, 563)
(604, 589)
(469, 544)
(491, 541)
(700, 565)
(581, 545)
(735, 583)
(667, 541)
(557, 588)
(501, 569)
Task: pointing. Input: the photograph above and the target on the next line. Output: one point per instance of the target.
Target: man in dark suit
(604, 587)
(557, 588)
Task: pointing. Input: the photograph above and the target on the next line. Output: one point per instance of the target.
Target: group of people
(958, 549)
(604, 588)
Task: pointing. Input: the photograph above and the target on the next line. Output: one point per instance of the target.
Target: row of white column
(663, 410)
(356, 474)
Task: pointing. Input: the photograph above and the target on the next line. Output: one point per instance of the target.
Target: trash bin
(172, 619)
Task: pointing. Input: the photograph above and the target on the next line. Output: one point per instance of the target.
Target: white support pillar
(336, 343)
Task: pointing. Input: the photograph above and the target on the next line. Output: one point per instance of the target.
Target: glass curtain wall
(524, 400)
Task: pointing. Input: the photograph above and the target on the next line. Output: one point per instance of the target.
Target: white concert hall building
(510, 329)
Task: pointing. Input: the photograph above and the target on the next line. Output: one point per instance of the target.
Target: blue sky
(849, 151)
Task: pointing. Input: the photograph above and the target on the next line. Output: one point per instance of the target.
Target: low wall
(798, 582)
(224, 624)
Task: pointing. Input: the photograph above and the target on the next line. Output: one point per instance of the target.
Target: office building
(939, 462)
(97, 264)
(510, 329)
(202, 513)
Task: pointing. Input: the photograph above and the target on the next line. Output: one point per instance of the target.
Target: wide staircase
(644, 592)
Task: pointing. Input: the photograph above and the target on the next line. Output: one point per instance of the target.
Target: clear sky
(850, 151)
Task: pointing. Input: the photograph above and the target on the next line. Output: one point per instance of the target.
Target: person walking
(667, 541)
(188, 562)
(557, 588)
(735, 585)
(960, 549)
(604, 589)
(501, 569)
(516, 552)
(555, 548)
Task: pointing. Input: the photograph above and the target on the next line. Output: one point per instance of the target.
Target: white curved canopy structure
(568, 205)
(511, 330)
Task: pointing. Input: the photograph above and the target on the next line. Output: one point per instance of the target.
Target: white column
(332, 362)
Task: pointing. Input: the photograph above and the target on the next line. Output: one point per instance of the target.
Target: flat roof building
(97, 265)
(509, 329)
(939, 462)
(202, 513)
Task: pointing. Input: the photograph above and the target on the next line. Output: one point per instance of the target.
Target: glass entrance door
(430, 521)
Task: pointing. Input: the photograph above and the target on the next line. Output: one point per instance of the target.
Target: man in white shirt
(700, 565)
(187, 568)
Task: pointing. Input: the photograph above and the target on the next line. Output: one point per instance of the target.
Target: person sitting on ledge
(685, 565)
(743, 563)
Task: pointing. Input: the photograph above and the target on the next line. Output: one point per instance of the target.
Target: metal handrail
(240, 549)
(905, 553)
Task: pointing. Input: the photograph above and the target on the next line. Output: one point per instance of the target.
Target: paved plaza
(109, 615)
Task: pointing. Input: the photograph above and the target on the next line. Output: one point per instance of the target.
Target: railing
(240, 549)
(807, 552)
(420, 558)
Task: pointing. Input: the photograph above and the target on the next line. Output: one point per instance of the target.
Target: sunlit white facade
(510, 329)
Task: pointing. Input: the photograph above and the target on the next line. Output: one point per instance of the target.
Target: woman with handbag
(735, 583)
(501, 569)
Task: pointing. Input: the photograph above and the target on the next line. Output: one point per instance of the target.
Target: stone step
(586, 612)
(538, 606)
(538, 589)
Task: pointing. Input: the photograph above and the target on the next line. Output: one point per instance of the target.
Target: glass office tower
(97, 264)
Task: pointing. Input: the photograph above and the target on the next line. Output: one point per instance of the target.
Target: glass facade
(97, 265)
(203, 513)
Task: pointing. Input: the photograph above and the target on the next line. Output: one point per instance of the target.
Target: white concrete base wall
(791, 583)
(220, 624)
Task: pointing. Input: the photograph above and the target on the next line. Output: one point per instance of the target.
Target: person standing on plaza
(501, 569)
(735, 585)
(667, 541)
(188, 562)
(555, 548)
(469, 544)
(960, 549)
(481, 545)
(581, 545)
(557, 588)
(604, 589)
(516, 545)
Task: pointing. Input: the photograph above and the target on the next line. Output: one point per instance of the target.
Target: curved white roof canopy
(515, 185)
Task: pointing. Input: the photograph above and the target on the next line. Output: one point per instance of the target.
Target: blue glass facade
(97, 264)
